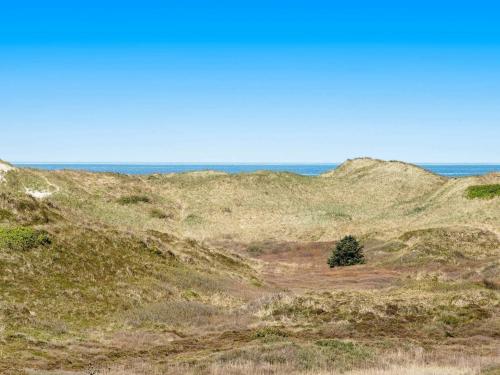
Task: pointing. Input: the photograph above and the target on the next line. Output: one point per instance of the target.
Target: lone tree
(347, 252)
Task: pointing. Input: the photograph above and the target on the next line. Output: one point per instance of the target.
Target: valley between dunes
(211, 273)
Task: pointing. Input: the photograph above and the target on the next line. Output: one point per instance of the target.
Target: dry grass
(226, 274)
(363, 197)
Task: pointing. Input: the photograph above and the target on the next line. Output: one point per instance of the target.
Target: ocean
(448, 170)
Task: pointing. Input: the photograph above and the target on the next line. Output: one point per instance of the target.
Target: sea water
(448, 170)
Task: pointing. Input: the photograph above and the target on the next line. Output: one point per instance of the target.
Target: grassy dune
(213, 273)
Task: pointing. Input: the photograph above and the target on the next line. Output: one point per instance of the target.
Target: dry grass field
(210, 273)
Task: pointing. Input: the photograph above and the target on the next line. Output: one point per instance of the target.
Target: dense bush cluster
(347, 252)
(22, 238)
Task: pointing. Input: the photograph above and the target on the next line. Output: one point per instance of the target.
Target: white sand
(38, 194)
(41, 194)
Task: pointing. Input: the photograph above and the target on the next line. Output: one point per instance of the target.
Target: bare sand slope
(4, 167)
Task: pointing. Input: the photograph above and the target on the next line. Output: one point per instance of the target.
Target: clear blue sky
(249, 81)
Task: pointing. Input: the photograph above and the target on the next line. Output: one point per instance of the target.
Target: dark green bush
(22, 238)
(483, 191)
(134, 199)
(347, 252)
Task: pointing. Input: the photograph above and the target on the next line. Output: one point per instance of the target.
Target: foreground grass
(280, 359)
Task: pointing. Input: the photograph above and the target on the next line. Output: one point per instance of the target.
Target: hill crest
(365, 164)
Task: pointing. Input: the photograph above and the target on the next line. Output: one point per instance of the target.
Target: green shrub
(22, 238)
(483, 191)
(347, 252)
(134, 199)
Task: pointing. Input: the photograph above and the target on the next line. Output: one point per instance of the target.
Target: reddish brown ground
(302, 266)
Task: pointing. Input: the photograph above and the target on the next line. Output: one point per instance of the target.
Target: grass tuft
(134, 199)
(159, 214)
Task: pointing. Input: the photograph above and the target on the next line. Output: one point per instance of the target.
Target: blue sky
(259, 81)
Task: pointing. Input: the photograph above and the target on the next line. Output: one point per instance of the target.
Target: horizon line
(231, 163)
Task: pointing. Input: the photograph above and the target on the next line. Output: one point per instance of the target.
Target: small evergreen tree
(347, 252)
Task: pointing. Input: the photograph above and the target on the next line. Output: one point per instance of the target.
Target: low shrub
(483, 191)
(22, 238)
(134, 199)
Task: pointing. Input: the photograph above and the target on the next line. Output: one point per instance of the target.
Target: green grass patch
(134, 199)
(22, 238)
(483, 191)
(269, 333)
(193, 219)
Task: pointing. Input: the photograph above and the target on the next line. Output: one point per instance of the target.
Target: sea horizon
(306, 169)
(241, 162)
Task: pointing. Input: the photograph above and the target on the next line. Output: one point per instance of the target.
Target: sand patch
(38, 194)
